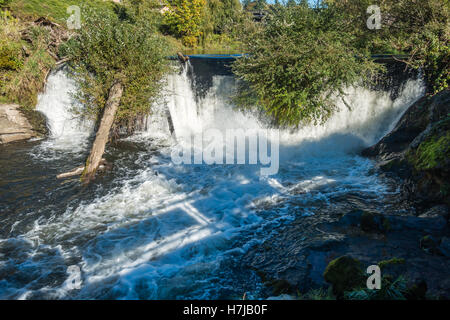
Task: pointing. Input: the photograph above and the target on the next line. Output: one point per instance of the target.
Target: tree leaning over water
(298, 57)
(118, 60)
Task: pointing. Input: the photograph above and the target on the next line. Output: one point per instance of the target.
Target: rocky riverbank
(417, 152)
(17, 124)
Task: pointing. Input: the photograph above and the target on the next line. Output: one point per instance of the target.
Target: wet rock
(280, 287)
(366, 221)
(444, 247)
(416, 151)
(300, 253)
(14, 126)
(370, 223)
(428, 225)
(352, 218)
(429, 244)
(435, 212)
(37, 120)
(344, 274)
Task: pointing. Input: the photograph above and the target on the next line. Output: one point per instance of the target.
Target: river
(152, 229)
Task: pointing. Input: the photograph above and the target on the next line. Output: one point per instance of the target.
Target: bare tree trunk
(101, 138)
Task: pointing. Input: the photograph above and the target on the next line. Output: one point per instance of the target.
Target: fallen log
(79, 170)
(182, 57)
(76, 172)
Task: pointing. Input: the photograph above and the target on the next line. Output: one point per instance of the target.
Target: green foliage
(392, 261)
(418, 28)
(344, 273)
(10, 56)
(25, 85)
(23, 65)
(432, 153)
(4, 3)
(223, 15)
(184, 18)
(422, 28)
(53, 9)
(318, 294)
(123, 47)
(297, 61)
(390, 290)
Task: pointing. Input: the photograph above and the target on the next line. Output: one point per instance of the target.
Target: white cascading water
(171, 231)
(67, 131)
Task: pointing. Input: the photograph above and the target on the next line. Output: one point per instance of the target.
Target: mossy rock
(37, 120)
(393, 261)
(344, 274)
(433, 153)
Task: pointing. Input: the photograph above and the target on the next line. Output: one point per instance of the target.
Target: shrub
(297, 61)
(126, 48)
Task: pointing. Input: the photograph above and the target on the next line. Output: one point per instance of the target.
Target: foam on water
(177, 231)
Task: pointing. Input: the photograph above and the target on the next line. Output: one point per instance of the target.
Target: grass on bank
(55, 10)
(23, 64)
(26, 49)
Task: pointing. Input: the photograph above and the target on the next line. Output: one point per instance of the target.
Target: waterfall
(372, 114)
(68, 132)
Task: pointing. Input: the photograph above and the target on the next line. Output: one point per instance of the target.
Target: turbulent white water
(177, 231)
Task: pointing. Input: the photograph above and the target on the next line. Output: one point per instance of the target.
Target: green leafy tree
(185, 19)
(297, 61)
(291, 3)
(118, 60)
(108, 49)
(420, 29)
(224, 14)
(4, 2)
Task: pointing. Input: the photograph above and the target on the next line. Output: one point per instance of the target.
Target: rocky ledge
(417, 152)
(17, 124)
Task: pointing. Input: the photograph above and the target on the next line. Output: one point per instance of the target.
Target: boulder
(366, 221)
(417, 151)
(14, 126)
(344, 274)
